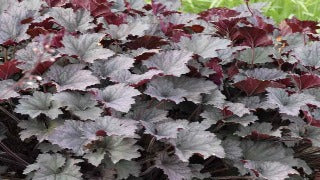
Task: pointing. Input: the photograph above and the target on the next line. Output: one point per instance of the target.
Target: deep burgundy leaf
(157, 8)
(259, 136)
(306, 81)
(44, 27)
(8, 68)
(96, 7)
(56, 40)
(233, 70)
(214, 65)
(194, 28)
(145, 56)
(115, 19)
(148, 42)
(294, 25)
(253, 86)
(42, 67)
(226, 113)
(228, 27)
(36, 31)
(254, 37)
(310, 119)
(173, 31)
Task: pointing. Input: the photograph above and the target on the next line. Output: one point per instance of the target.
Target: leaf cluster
(126, 90)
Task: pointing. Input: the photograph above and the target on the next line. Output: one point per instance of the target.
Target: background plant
(277, 9)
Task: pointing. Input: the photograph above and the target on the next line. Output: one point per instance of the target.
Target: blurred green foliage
(277, 9)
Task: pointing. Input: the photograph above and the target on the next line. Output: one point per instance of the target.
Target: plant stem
(247, 4)
(147, 171)
(151, 143)
(4, 147)
(220, 170)
(235, 177)
(10, 161)
(5, 55)
(10, 114)
(14, 51)
(194, 112)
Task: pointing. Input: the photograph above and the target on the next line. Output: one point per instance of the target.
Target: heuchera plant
(105, 90)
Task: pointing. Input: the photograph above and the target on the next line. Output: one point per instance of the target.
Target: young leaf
(135, 80)
(86, 47)
(39, 103)
(289, 105)
(163, 89)
(121, 32)
(170, 62)
(111, 126)
(308, 55)
(173, 167)
(120, 148)
(201, 142)
(118, 96)
(54, 166)
(162, 130)
(70, 77)
(36, 128)
(82, 106)
(106, 68)
(194, 86)
(79, 20)
(260, 55)
(306, 81)
(148, 114)
(177, 88)
(70, 136)
(203, 45)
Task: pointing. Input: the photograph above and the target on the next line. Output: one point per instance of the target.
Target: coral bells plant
(106, 90)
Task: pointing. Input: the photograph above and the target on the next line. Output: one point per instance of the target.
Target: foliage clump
(128, 90)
